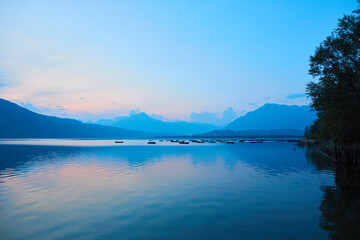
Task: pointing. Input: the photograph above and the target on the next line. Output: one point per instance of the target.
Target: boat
(230, 142)
(119, 141)
(183, 142)
(151, 142)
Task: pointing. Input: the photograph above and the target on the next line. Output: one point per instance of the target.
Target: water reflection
(274, 158)
(251, 191)
(340, 204)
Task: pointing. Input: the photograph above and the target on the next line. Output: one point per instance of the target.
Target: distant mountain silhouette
(143, 122)
(274, 116)
(274, 132)
(18, 122)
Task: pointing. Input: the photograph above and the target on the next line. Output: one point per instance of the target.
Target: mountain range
(280, 119)
(143, 122)
(18, 122)
(270, 119)
(274, 116)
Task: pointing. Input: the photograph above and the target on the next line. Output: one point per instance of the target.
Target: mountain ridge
(274, 116)
(19, 122)
(142, 121)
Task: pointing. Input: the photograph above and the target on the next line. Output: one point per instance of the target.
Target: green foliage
(317, 131)
(336, 94)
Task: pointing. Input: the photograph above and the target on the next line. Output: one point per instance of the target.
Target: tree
(336, 95)
(307, 132)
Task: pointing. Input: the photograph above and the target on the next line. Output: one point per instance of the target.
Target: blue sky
(97, 59)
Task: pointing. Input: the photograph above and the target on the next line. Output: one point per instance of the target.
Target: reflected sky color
(164, 57)
(170, 192)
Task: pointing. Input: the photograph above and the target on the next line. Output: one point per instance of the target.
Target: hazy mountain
(109, 122)
(18, 122)
(275, 116)
(142, 122)
(274, 132)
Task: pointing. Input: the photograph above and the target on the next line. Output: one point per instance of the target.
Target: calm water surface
(63, 189)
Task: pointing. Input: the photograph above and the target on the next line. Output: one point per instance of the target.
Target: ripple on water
(138, 192)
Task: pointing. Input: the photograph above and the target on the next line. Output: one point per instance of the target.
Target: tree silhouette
(336, 95)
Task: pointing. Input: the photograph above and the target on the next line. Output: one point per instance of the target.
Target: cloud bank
(213, 118)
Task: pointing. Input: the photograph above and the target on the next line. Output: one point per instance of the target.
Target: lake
(96, 189)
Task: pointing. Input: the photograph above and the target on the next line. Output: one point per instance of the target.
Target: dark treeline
(336, 95)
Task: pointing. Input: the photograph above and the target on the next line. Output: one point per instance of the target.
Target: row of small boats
(213, 141)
